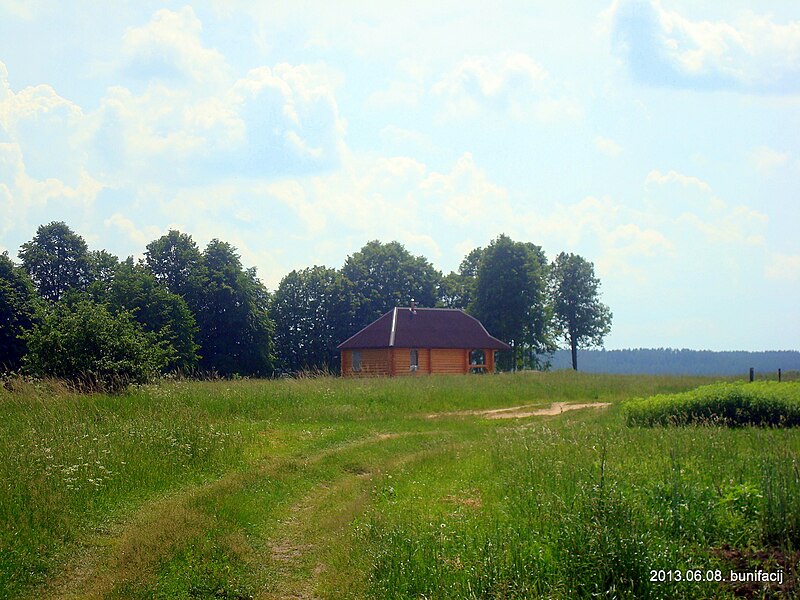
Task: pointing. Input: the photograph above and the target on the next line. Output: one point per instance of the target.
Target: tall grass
(576, 505)
(586, 507)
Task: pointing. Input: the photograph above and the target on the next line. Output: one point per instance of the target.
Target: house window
(414, 360)
(356, 360)
(477, 361)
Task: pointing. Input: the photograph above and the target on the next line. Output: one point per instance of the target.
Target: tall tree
(57, 260)
(313, 311)
(134, 289)
(457, 289)
(17, 305)
(388, 275)
(236, 333)
(177, 263)
(102, 268)
(582, 320)
(510, 300)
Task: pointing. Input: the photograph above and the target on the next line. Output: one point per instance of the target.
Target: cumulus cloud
(465, 195)
(662, 47)
(43, 125)
(281, 120)
(198, 121)
(169, 48)
(690, 204)
(42, 153)
(656, 177)
(511, 83)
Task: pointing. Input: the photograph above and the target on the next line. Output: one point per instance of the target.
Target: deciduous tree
(57, 260)
(457, 289)
(388, 275)
(177, 264)
(313, 311)
(134, 289)
(510, 300)
(17, 304)
(236, 333)
(581, 319)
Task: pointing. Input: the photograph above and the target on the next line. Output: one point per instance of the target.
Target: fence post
(779, 375)
(751, 374)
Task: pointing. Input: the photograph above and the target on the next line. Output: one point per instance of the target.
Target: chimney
(413, 306)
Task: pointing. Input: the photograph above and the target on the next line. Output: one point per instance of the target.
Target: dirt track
(520, 412)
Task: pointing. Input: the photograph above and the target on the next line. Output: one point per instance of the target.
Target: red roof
(424, 328)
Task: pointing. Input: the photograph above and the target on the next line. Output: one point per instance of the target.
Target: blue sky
(660, 140)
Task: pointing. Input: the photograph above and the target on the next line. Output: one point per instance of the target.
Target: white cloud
(511, 83)
(169, 48)
(766, 160)
(44, 125)
(42, 153)
(465, 195)
(656, 177)
(742, 225)
(607, 146)
(271, 121)
(689, 202)
(663, 47)
(292, 194)
(631, 239)
(140, 235)
(783, 267)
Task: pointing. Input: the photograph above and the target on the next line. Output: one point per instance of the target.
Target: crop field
(428, 487)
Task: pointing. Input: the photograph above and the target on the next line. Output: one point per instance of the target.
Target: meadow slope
(402, 488)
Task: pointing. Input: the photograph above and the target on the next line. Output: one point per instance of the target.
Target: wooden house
(409, 341)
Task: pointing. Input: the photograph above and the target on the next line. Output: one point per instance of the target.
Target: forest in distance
(669, 361)
(88, 317)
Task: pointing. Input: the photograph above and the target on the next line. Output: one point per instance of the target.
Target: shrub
(766, 403)
(93, 349)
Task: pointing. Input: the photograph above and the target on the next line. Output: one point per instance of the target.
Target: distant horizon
(680, 349)
(660, 140)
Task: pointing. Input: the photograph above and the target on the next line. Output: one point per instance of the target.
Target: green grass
(762, 403)
(348, 489)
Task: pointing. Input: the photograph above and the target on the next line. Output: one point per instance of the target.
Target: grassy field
(398, 488)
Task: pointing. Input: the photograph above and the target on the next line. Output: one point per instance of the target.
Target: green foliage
(84, 343)
(57, 260)
(103, 268)
(457, 290)
(229, 303)
(236, 333)
(388, 275)
(17, 305)
(132, 288)
(313, 311)
(177, 264)
(763, 403)
(579, 316)
(510, 300)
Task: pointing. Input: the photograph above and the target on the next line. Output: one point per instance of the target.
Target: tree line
(673, 361)
(85, 316)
